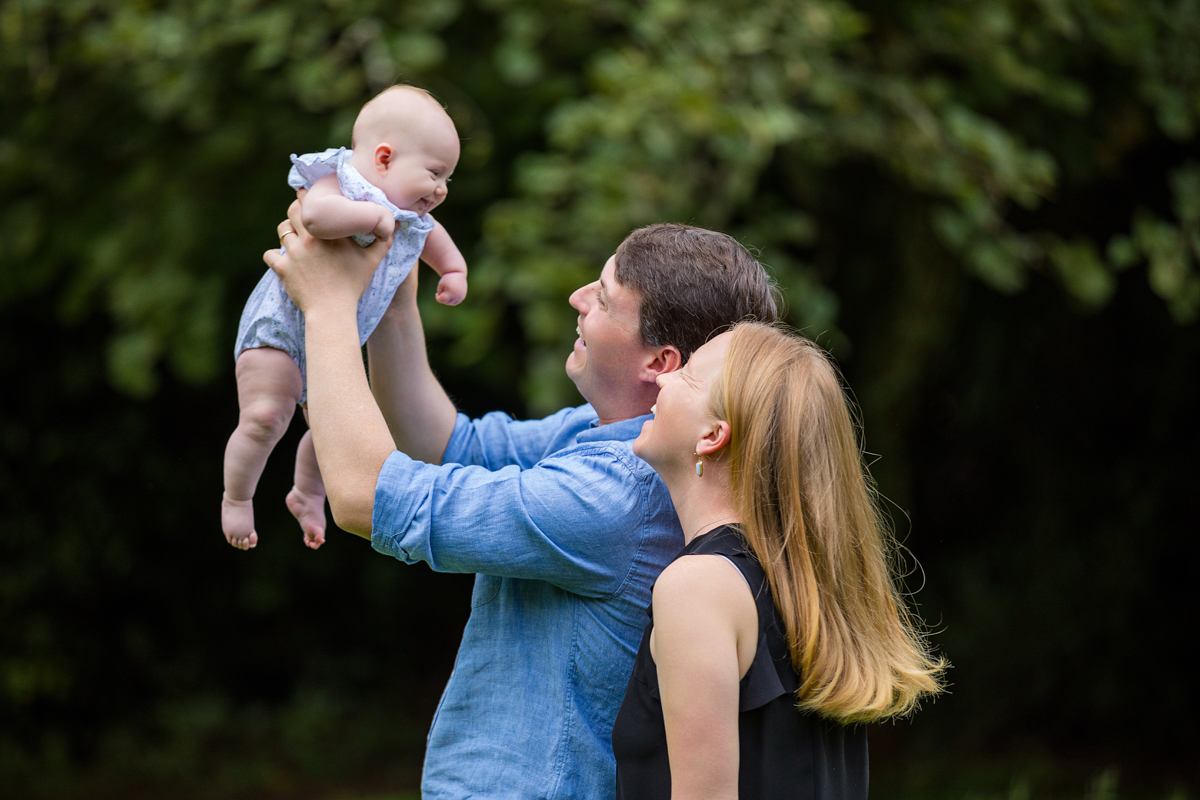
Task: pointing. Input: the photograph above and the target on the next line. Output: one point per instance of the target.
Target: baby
(404, 147)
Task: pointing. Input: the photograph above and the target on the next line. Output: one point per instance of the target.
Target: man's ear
(715, 438)
(665, 359)
(384, 153)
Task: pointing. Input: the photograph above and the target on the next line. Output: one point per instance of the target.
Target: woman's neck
(702, 503)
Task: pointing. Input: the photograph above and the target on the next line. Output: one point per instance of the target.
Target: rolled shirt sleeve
(573, 518)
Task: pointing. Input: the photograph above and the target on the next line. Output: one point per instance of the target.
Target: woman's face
(681, 414)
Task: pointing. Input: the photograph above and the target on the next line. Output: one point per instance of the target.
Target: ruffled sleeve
(770, 675)
(311, 167)
(766, 679)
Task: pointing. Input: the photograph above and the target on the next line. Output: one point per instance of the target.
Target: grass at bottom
(1025, 779)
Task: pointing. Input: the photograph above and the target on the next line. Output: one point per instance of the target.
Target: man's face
(609, 354)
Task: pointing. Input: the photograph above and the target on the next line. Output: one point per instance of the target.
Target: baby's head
(405, 143)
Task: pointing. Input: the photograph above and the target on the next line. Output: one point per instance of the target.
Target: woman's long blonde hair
(808, 513)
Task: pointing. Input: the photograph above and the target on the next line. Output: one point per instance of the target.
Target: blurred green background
(989, 210)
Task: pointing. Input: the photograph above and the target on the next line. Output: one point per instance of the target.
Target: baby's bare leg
(306, 500)
(269, 386)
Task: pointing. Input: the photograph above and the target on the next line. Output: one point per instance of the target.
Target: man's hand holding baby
(322, 271)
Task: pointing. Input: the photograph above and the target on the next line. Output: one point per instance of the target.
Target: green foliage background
(989, 211)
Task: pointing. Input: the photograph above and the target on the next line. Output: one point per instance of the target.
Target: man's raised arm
(419, 414)
(325, 279)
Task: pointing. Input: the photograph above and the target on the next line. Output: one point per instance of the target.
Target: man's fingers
(272, 259)
(379, 247)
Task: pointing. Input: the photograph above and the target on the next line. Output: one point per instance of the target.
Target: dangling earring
(699, 466)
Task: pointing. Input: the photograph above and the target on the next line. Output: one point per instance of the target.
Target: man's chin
(575, 373)
(574, 366)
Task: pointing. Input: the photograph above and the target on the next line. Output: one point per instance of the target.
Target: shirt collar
(624, 431)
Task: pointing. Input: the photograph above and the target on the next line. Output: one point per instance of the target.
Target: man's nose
(577, 299)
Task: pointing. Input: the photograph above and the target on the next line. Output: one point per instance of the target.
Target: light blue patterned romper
(271, 319)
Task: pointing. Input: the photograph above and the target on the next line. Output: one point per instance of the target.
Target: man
(564, 527)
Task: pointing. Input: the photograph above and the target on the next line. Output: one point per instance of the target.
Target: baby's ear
(384, 153)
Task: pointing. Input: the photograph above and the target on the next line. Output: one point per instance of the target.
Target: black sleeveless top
(785, 752)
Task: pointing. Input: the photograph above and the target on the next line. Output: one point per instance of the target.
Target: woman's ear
(715, 438)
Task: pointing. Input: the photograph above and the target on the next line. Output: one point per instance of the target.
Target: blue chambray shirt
(566, 529)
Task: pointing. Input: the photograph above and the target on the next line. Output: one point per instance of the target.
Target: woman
(779, 628)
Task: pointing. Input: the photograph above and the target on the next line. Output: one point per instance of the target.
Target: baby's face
(417, 175)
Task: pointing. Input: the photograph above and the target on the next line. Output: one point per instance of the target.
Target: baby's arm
(329, 215)
(442, 254)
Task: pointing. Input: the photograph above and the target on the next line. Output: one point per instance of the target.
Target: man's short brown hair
(692, 284)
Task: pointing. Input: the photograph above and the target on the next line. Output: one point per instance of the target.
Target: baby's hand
(452, 288)
(385, 226)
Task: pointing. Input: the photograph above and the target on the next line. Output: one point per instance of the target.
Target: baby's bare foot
(237, 521)
(309, 511)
